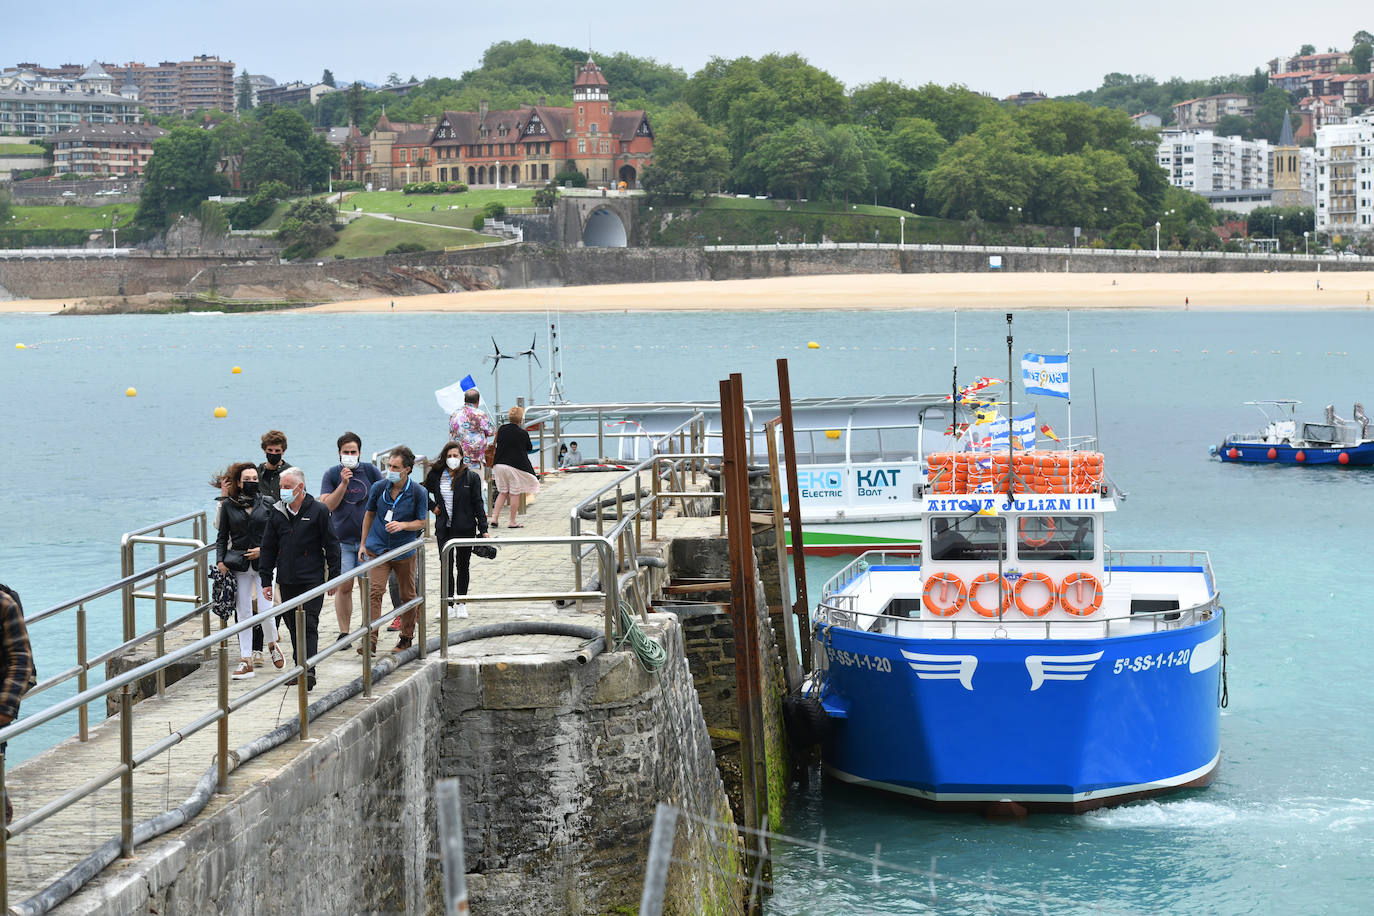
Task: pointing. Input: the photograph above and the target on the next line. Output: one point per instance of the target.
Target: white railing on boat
(837, 609)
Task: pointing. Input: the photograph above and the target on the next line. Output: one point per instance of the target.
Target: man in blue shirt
(345, 489)
(397, 508)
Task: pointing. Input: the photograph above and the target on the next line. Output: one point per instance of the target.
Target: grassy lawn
(273, 222)
(366, 237)
(448, 209)
(71, 217)
(20, 149)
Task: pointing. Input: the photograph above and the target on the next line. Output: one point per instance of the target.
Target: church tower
(1287, 169)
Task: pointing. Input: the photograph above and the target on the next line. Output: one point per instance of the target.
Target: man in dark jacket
(17, 673)
(302, 550)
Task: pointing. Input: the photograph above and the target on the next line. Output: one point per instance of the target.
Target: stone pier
(561, 763)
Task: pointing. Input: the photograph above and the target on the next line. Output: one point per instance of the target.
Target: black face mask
(249, 489)
(273, 459)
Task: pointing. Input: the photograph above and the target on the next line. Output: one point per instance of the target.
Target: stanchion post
(303, 678)
(222, 774)
(126, 778)
(366, 581)
(83, 716)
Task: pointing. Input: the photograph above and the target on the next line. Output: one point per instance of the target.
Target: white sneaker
(459, 611)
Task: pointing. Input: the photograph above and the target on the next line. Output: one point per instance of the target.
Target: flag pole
(1068, 352)
(1011, 476)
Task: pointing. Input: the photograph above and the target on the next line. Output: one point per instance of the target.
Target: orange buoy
(1047, 528)
(1273, 453)
(1343, 458)
(943, 582)
(1036, 610)
(1232, 453)
(989, 578)
(1300, 456)
(1075, 583)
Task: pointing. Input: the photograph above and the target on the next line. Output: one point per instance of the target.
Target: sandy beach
(1294, 290)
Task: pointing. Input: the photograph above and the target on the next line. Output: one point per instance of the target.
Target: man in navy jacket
(301, 549)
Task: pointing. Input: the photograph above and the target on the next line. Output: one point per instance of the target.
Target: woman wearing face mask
(456, 491)
(242, 518)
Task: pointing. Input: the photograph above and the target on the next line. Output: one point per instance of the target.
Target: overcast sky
(994, 46)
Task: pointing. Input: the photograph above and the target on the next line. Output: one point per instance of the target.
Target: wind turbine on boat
(529, 354)
(496, 358)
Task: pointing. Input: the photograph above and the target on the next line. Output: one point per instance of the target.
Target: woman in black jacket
(456, 491)
(242, 519)
(511, 469)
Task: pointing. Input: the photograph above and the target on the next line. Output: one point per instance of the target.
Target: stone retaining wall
(561, 766)
(532, 265)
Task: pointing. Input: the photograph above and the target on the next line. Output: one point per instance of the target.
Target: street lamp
(1156, 240)
(1305, 234)
(901, 244)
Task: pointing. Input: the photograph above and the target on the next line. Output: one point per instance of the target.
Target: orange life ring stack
(989, 578)
(1036, 610)
(1036, 471)
(1075, 583)
(943, 582)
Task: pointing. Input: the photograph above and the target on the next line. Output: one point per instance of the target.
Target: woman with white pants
(243, 516)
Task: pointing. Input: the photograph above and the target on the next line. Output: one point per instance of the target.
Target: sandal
(515, 526)
(244, 670)
(275, 653)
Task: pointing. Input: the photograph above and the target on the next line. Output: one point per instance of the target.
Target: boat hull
(857, 537)
(1361, 455)
(1011, 724)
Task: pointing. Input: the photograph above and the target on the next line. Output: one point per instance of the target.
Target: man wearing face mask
(274, 450)
(300, 547)
(396, 511)
(344, 490)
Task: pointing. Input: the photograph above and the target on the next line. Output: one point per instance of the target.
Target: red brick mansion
(524, 147)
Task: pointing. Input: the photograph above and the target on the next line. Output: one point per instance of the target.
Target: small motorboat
(1287, 440)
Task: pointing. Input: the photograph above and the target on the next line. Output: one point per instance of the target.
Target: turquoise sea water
(1287, 827)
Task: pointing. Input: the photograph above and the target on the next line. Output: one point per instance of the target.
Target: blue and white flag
(1022, 427)
(450, 398)
(1047, 375)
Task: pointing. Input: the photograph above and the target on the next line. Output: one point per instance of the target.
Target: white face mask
(453, 462)
(348, 461)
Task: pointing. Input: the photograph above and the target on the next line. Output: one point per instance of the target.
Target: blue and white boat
(1019, 664)
(1286, 440)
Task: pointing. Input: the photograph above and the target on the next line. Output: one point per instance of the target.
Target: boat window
(974, 537)
(1054, 537)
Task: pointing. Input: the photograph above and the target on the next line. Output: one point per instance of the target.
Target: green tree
(845, 174)
(913, 147)
(6, 206)
(355, 103)
(180, 174)
(243, 92)
(1235, 126)
(689, 156)
(1306, 50)
(1360, 54)
(791, 162)
(214, 223)
(1269, 111)
(271, 159)
(882, 104)
(328, 77)
(307, 228)
(983, 174)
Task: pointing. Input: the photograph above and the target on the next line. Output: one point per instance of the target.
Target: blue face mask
(288, 496)
(392, 476)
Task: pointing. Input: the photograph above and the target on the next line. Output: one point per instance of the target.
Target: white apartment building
(1345, 177)
(1200, 161)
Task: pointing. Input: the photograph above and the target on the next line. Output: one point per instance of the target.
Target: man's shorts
(348, 556)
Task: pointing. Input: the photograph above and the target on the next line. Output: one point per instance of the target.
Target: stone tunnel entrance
(604, 230)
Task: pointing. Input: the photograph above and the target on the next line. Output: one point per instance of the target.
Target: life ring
(1076, 581)
(944, 580)
(988, 578)
(1037, 542)
(1036, 610)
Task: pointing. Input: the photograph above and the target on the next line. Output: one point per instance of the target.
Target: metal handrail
(631, 523)
(130, 760)
(609, 591)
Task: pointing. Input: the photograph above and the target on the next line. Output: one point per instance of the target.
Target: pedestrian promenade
(51, 848)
